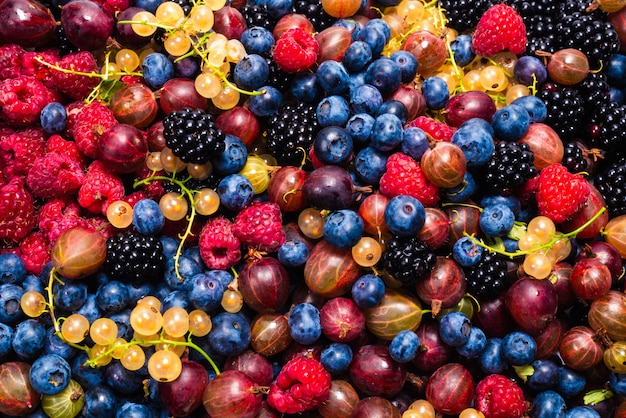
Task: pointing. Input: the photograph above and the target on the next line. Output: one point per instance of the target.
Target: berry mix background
(334, 208)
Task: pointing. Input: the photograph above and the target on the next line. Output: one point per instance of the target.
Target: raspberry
(58, 215)
(497, 396)
(56, 143)
(31, 66)
(35, 249)
(17, 217)
(295, 51)
(559, 193)
(22, 99)
(76, 86)
(500, 28)
(88, 123)
(10, 60)
(53, 175)
(259, 226)
(437, 130)
(219, 248)
(301, 385)
(404, 176)
(100, 188)
(19, 150)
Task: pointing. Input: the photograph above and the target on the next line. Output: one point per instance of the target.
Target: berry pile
(329, 208)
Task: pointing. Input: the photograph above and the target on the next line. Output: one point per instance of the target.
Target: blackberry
(574, 158)
(293, 127)
(192, 135)
(569, 7)
(611, 183)
(510, 166)
(258, 15)
(185, 4)
(594, 90)
(540, 31)
(314, 11)
(607, 126)
(487, 279)
(463, 15)
(408, 259)
(565, 111)
(277, 77)
(65, 46)
(134, 258)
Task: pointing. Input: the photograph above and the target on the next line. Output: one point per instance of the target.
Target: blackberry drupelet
(611, 183)
(565, 111)
(408, 259)
(487, 279)
(277, 77)
(258, 15)
(594, 90)
(568, 7)
(192, 135)
(315, 12)
(293, 127)
(510, 166)
(574, 158)
(134, 258)
(607, 126)
(463, 15)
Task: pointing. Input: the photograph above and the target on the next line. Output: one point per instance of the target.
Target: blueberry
(55, 345)
(374, 37)
(436, 93)
(414, 142)
(356, 80)
(53, 118)
(343, 228)
(205, 292)
(461, 47)
(370, 164)
(257, 40)
(188, 67)
(50, 374)
(223, 276)
(466, 252)
(581, 412)
(148, 218)
(90, 308)
(384, 74)
(122, 380)
(86, 376)
(404, 346)
(170, 246)
(305, 87)
(112, 297)
(511, 201)
(463, 191)
(133, 410)
(233, 158)
(536, 108)
(357, 56)
(149, 5)
(393, 107)
(32, 282)
(333, 77)
(367, 291)
(475, 345)
(12, 268)
(496, 220)
(615, 70)
(545, 375)
(387, 132)
(616, 95)
(70, 295)
(267, 103)
(6, 335)
(157, 69)
(336, 358)
(235, 192)
(181, 279)
(332, 111)
(407, 63)
(365, 99)
(304, 323)
(99, 402)
(570, 382)
(293, 253)
(359, 126)
(455, 328)
(529, 70)
(511, 122)
(230, 334)
(617, 383)
(548, 404)
(491, 360)
(175, 299)
(333, 145)
(476, 143)
(404, 215)
(122, 319)
(10, 309)
(518, 348)
(138, 291)
(251, 72)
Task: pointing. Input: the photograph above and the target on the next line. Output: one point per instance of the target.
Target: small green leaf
(524, 372)
(107, 89)
(596, 396)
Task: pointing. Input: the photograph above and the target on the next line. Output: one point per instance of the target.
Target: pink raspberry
(22, 98)
(54, 175)
(76, 86)
(32, 66)
(301, 385)
(88, 124)
(35, 249)
(497, 396)
(58, 144)
(100, 188)
(219, 248)
(57, 215)
(19, 150)
(259, 226)
(17, 211)
(295, 51)
(10, 60)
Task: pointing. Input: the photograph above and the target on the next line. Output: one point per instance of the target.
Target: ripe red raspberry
(219, 248)
(17, 212)
(259, 226)
(301, 385)
(559, 193)
(437, 130)
(35, 249)
(499, 28)
(19, 150)
(22, 98)
(56, 143)
(497, 396)
(57, 215)
(404, 176)
(54, 175)
(10, 60)
(88, 124)
(32, 66)
(295, 51)
(100, 188)
(76, 86)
